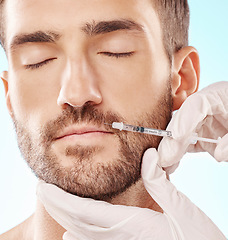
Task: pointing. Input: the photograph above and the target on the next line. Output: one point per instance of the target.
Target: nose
(79, 85)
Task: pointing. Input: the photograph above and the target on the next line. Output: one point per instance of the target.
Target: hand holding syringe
(162, 133)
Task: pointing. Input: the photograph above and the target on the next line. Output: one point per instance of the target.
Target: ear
(186, 74)
(4, 77)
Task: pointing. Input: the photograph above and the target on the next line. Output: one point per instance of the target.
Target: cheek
(135, 88)
(31, 95)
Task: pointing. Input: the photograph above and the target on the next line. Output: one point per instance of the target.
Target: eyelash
(109, 54)
(117, 55)
(38, 65)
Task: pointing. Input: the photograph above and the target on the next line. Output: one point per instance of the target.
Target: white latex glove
(204, 113)
(86, 219)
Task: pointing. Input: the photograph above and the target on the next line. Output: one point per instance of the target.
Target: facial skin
(63, 88)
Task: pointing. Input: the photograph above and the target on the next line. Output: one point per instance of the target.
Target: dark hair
(174, 20)
(173, 16)
(2, 32)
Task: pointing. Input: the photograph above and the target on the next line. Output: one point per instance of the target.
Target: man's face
(74, 66)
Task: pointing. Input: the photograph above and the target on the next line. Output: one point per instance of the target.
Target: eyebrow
(90, 29)
(39, 37)
(103, 27)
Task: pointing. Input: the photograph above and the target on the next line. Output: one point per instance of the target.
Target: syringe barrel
(132, 128)
(121, 126)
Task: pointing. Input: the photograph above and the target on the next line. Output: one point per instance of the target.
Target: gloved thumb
(221, 151)
(161, 189)
(187, 219)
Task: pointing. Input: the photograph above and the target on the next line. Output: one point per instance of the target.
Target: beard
(103, 179)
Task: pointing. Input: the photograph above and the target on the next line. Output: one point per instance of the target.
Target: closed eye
(40, 64)
(117, 55)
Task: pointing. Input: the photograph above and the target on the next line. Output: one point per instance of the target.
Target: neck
(45, 227)
(136, 196)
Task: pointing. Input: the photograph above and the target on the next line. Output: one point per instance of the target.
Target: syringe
(162, 133)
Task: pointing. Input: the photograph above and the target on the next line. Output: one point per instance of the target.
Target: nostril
(75, 106)
(76, 93)
(62, 101)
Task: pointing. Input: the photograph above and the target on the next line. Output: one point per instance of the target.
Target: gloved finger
(76, 235)
(221, 151)
(211, 101)
(85, 211)
(172, 151)
(171, 169)
(69, 236)
(182, 212)
(156, 182)
(102, 223)
(167, 151)
(160, 188)
(143, 227)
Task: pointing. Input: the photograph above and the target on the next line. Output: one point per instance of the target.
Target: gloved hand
(86, 219)
(204, 113)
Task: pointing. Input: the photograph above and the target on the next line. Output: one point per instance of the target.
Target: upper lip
(76, 130)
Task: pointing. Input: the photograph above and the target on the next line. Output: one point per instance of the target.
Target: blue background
(199, 176)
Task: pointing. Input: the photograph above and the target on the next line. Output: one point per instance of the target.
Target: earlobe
(4, 77)
(186, 74)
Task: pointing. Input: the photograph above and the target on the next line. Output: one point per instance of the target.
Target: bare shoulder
(23, 231)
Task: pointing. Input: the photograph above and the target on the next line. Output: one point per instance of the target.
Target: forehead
(76, 6)
(25, 16)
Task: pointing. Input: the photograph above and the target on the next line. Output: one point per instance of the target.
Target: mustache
(87, 114)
